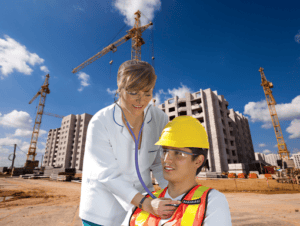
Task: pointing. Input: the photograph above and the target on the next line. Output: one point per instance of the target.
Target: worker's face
(135, 101)
(178, 169)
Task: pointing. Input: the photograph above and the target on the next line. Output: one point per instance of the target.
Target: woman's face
(136, 101)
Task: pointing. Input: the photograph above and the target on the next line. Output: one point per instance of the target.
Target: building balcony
(181, 100)
(198, 115)
(196, 106)
(181, 109)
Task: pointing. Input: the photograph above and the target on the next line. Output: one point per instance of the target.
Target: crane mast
(137, 41)
(30, 162)
(282, 149)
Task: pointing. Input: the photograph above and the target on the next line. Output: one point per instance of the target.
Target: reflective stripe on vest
(185, 215)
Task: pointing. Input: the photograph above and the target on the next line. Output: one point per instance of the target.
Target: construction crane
(135, 34)
(30, 162)
(282, 149)
(54, 115)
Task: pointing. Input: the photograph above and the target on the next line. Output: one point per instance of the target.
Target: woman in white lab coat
(110, 186)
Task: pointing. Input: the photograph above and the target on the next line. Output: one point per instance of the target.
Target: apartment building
(228, 131)
(65, 145)
(296, 158)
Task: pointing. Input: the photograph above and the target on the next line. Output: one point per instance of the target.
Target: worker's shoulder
(216, 196)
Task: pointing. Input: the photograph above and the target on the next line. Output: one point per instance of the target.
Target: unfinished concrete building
(228, 131)
(65, 145)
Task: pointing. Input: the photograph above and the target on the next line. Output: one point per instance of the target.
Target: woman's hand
(159, 207)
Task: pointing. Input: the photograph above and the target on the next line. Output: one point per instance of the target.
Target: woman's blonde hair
(135, 76)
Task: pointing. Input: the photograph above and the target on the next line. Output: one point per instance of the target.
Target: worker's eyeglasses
(177, 154)
(135, 95)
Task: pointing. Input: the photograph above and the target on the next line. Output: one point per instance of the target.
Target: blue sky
(196, 44)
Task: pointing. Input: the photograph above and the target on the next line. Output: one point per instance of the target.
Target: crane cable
(152, 41)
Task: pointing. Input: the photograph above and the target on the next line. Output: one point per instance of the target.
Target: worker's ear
(199, 160)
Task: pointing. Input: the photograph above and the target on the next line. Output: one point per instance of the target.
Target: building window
(234, 161)
(228, 160)
(232, 143)
(65, 142)
(171, 118)
(68, 121)
(226, 142)
(224, 131)
(233, 153)
(172, 109)
(231, 133)
(78, 147)
(198, 94)
(227, 151)
(67, 126)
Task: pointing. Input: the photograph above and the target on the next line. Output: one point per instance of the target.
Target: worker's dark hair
(199, 151)
(135, 76)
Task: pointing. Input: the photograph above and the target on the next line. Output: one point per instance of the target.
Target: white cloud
(294, 129)
(262, 145)
(16, 119)
(267, 152)
(112, 92)
(129, 7)
(259, 111)
(10, 141)
(27, 133)
(297, 37)
(5, 149)
(157, 99)
(84, 80)
(275, 146)
(180, 92)
(44, 69)
(14, 56)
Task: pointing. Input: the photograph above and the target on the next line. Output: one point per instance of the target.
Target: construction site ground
(39, 202)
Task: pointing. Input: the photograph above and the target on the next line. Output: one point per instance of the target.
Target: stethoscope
(137, 141)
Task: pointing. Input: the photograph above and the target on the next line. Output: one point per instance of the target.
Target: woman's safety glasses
(176, 154)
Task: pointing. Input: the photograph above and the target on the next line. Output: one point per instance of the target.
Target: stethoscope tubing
(137, 141)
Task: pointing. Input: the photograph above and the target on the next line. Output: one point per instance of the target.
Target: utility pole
(13, 160)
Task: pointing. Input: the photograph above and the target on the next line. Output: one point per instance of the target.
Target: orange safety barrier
(242, 175)
(269, 176)
(231, 175)
(253, 175)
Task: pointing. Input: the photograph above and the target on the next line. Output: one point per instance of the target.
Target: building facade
(270, 158)
(65, 145)
(296, 158)
(228, 131)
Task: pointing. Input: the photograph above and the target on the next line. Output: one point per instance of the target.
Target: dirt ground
(43, 202)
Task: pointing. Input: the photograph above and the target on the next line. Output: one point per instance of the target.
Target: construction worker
(185, 146)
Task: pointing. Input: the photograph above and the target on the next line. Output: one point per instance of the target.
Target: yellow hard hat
(184, 131)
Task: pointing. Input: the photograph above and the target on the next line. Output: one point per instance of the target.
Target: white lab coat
(109, 180)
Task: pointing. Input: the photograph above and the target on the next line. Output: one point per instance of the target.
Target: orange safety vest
(191, 211)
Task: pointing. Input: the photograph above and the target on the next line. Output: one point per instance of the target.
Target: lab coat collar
(117, 115)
